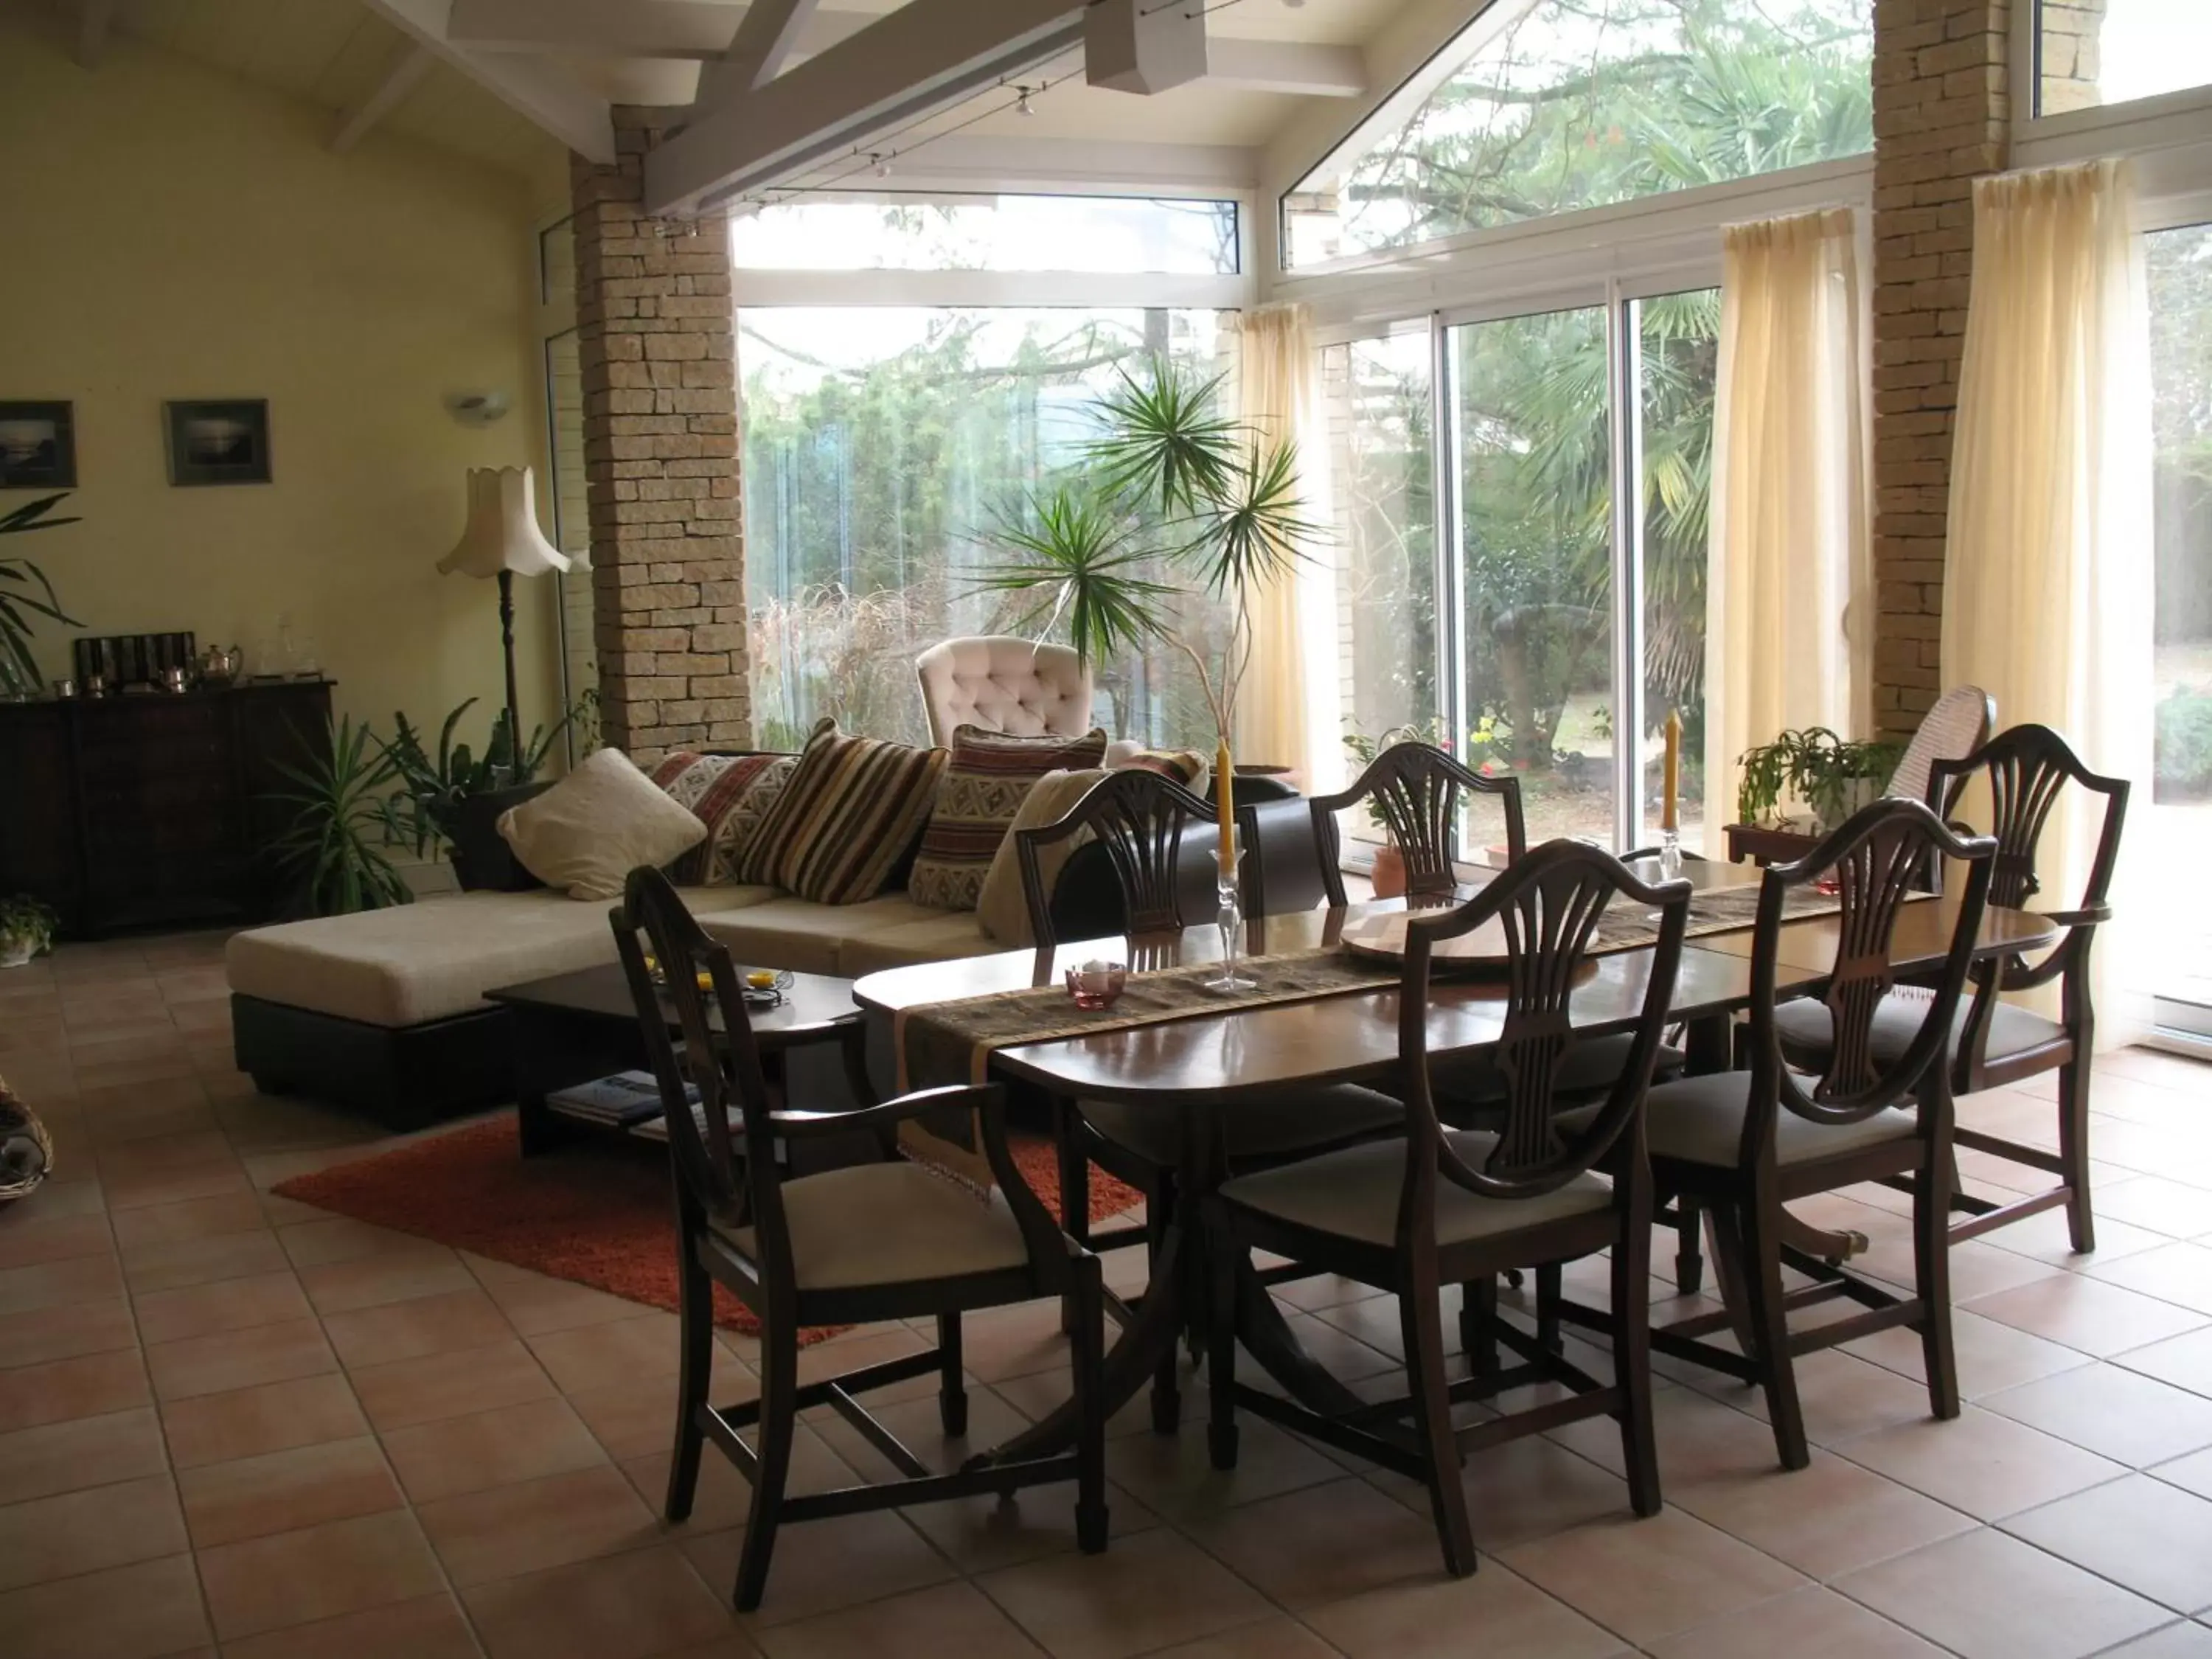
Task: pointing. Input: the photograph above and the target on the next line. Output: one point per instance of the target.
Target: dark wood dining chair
(1440, 1206)
(2028, 771)
(1418, 789)
(1141, 818)
(875, 1241)
(1742, 1144)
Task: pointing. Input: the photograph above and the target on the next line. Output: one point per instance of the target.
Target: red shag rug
(598, 1213)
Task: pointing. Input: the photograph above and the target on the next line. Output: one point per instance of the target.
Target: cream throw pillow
(591, 830)
(1002, 910)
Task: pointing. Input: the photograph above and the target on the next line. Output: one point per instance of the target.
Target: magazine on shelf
(623, 1100)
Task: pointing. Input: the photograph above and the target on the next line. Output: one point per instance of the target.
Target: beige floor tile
(723, 1497)
(80, 1452)
(2120, 1414)
(2185, 1639)
(1811, 1624)
(38, 1238)
(1172, 1475)
(2087, 1314)
(126, 1613)
(1987, 1465)
(2186, 1361)
(981, 1534)
(946, 1621)
(67, 1330)
(505, 1531)
(431, 1628)
(2153, 1538)
(1985, 1595)
(1825, 1519)
(456, 1455)
(1990, 1355)
(204, 1217)
(85, 1531)
(2180, 1273)
(341, 1238)
(2191, 1474)
(317, 1573)
(1647, 1579)
(1152, 1591)
(1699, 1439)
(240, 1359)
(231, 1304)
(217, 1428)
(48, 1283)
(455, 1384)
(437, 1323)
(630, 1422)
(820, 1566)
(176, 1186)
(178, 1263)
(1279, 1636)
(1322, 1543)
(2171, 1208)
(386, 1276)
(625, 1352)
(1435, 1618)
(536, 1305)
(286, 1491)
(638, 1606)
(90, 1385)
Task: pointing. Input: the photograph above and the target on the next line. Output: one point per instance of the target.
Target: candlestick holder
(1231, 919)
(1670, 854)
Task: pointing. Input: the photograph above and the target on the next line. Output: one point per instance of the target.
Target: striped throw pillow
(986, 782)
(851, 811)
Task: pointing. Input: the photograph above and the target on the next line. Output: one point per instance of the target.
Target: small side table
(1764, 844)
(572, 1027)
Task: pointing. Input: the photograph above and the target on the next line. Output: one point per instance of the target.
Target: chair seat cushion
(1591, 1066)
(1700, 1120)
(1804, 1026)
(1354, 1194)
(1318, 1118)
(889, 1224)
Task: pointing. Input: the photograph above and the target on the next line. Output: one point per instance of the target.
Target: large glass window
(883, 448)
(1108, 234)
(2180, 818)
(1545, 107)
(2112, 52)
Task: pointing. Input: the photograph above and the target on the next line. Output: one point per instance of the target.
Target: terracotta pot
(1389, 876)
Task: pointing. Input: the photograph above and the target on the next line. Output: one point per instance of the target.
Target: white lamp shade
(503, 533)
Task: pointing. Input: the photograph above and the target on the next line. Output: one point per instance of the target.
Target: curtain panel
(2048, 582)
(1789, 571)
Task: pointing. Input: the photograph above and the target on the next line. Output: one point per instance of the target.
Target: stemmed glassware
(1230, 919)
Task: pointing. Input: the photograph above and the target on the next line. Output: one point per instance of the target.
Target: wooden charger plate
(1480, 950)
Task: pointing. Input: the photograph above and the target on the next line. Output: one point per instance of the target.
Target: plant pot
(1839, 803)
(1389, 876)
(481, 858)
(16, 950)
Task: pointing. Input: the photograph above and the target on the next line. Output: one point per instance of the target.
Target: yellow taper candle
(1225, 771)
(1669, 807)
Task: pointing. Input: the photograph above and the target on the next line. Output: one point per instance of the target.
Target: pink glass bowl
(1096, 987)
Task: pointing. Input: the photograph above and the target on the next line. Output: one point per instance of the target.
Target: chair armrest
(799, 1122)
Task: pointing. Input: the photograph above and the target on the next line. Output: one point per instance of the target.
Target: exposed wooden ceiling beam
(93, 18)
(762, 46)
(909, 64)
(409, 64)
(541, 93)
(1311, 70)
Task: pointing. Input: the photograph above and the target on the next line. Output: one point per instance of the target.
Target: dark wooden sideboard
(150, 809)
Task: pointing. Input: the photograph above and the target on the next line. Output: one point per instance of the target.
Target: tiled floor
(230, 1423)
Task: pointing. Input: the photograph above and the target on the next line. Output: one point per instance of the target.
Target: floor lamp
(501, 540)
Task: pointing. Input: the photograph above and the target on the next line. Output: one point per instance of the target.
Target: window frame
(2134, 126)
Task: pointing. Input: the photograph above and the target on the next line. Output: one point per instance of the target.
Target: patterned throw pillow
(853, 807)
(728, 793)
(985, 783)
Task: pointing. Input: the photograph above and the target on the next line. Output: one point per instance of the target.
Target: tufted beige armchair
(1004, 684)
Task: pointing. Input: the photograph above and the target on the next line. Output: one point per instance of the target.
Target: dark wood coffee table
(572, 1027)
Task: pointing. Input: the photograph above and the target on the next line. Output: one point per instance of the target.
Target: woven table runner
(953, 1042)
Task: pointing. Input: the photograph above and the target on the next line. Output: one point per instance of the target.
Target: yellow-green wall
(169, 232)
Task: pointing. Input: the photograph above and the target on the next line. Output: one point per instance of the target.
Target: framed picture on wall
(218, 440)
(38, 446)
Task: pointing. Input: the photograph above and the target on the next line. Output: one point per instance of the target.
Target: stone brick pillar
(656, 338)
(1941, 117)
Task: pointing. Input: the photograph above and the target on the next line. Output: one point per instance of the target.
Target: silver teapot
(219, 665)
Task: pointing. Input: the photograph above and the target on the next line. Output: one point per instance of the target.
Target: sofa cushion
(590, 830)
(986, 780)
(1001, 909)
(846, 819)
(796, 934)
(922, 935)
(728, 793)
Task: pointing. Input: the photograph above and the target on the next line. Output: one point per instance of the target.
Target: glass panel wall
(2091, 52)
(1114, 235)
(1546, 107)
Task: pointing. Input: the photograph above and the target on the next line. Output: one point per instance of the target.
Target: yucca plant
(339, 819)
(434, 787)
(19, 602)
(1169, 481)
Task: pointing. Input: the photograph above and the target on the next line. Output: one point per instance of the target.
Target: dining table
(1198, 1062)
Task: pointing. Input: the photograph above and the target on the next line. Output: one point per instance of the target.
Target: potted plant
(456, 795)
(1388, 877)
(27, 930)
(1834, 776)
(19, 671)
(336, 806)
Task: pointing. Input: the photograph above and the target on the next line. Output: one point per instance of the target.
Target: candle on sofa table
(1669, 809)
(1224, 803)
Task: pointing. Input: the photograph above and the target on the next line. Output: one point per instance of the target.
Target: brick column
(1941, 119)
(655, 335)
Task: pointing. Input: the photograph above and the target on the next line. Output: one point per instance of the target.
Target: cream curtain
(1277, 390)
(1789, 575)
(2047, 582)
